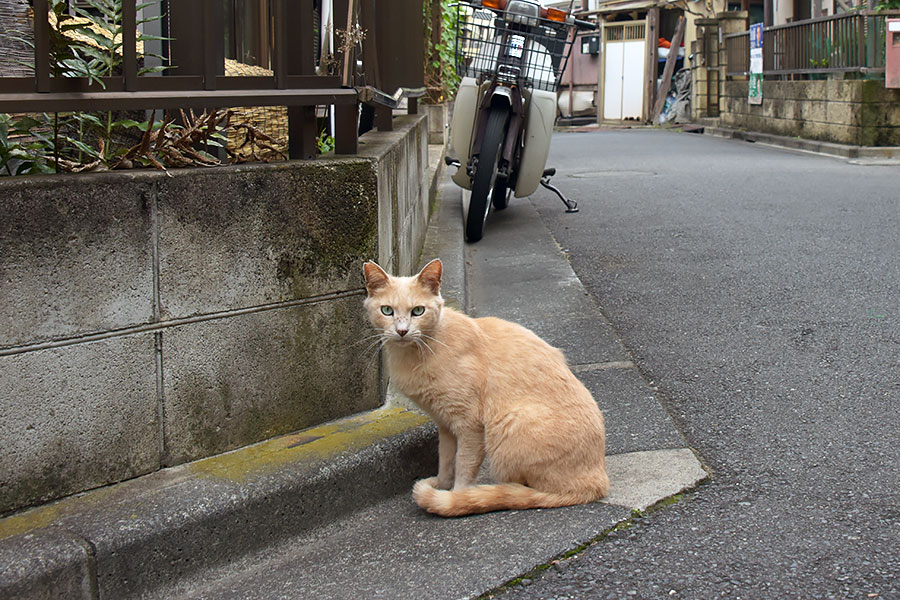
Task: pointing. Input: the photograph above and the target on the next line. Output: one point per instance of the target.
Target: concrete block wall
(151, 319)
(403, 191)
(858, 112)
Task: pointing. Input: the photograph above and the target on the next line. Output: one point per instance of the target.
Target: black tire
(486, 172)
(500, 195)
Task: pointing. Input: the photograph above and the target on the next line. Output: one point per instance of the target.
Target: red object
(892, 54)
(664, 43)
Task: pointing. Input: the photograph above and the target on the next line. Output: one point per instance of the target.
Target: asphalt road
(759, 290)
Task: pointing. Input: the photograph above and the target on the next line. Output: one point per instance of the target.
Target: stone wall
(858, 112)
(152, 319)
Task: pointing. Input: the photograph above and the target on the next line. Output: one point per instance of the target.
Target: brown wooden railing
(847, 42)
(196, 81)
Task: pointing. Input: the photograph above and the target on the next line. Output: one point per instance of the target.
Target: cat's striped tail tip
(430, 498)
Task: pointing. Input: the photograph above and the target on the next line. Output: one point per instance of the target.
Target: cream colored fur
(494, 389)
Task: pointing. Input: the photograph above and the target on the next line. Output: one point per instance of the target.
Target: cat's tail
(487, 498)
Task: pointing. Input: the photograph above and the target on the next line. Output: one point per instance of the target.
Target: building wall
(153, 319)
(859, 112)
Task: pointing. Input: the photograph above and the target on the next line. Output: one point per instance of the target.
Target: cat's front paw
(436, 483)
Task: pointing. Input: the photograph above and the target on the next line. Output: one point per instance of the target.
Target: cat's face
(404, 310)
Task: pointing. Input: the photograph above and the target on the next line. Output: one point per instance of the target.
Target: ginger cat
(493, 388)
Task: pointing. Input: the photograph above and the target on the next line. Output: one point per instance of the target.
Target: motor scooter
(510, 56)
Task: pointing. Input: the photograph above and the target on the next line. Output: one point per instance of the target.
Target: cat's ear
(430, 276)
(376, 277)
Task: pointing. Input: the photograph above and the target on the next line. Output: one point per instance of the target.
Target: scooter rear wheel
(486, 172)
(500, 195)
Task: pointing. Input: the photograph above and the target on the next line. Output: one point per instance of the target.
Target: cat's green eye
(387, 311)
(418, 311)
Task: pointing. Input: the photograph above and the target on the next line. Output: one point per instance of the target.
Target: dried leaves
(185, 142)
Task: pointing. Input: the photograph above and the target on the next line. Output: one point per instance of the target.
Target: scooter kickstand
(571, 205)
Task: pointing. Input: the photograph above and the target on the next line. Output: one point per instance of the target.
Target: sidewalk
(889, 155)
(326, 512)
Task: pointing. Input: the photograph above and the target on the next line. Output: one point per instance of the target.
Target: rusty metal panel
(892, 54)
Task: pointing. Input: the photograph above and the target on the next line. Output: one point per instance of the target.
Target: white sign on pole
(754, 89)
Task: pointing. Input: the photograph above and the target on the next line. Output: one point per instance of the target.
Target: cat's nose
(402, 332)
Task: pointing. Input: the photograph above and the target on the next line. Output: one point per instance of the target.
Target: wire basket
(487, 44)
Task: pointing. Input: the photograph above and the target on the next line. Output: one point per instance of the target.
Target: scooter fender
(462, 125)
(465, 118)
(541, 113)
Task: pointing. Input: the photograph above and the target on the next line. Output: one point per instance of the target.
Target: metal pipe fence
(851, 42)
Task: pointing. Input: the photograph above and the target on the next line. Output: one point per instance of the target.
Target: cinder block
(842, 113)
(813, 111)
(246, 236)
(884, 136)
(234, 381)
(77, 417)
(775, 108)
(838, 90)
(787, 127)
(75, 256)
(830, 132)
(438, 119)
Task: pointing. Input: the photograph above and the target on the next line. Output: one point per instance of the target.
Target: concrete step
(395, 551)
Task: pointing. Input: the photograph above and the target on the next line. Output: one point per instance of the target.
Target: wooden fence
(196, 79)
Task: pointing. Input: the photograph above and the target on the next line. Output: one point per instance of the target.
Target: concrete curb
(818, 147)
(133, 538)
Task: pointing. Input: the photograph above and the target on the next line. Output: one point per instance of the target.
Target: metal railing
(197, 82)
(845, 43)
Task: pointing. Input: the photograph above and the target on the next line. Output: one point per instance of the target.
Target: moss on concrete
(313, 446)
(316, 444)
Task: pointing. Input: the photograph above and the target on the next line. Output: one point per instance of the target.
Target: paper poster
(754, 89)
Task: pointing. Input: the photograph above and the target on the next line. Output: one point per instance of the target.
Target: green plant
(23, 150)
(822, 53)
(89, 45)
(441, 77)
(325, 142)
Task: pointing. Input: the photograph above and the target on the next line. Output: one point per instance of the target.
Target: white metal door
(633, 79)
(623, 80)
(612, 84)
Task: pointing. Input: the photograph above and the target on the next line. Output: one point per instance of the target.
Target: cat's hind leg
(590, 482)
(469, 456)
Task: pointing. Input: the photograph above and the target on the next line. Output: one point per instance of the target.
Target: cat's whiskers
(422, 344)
(378, 345)
(434, 339)
(380, 340)
(369, 338)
